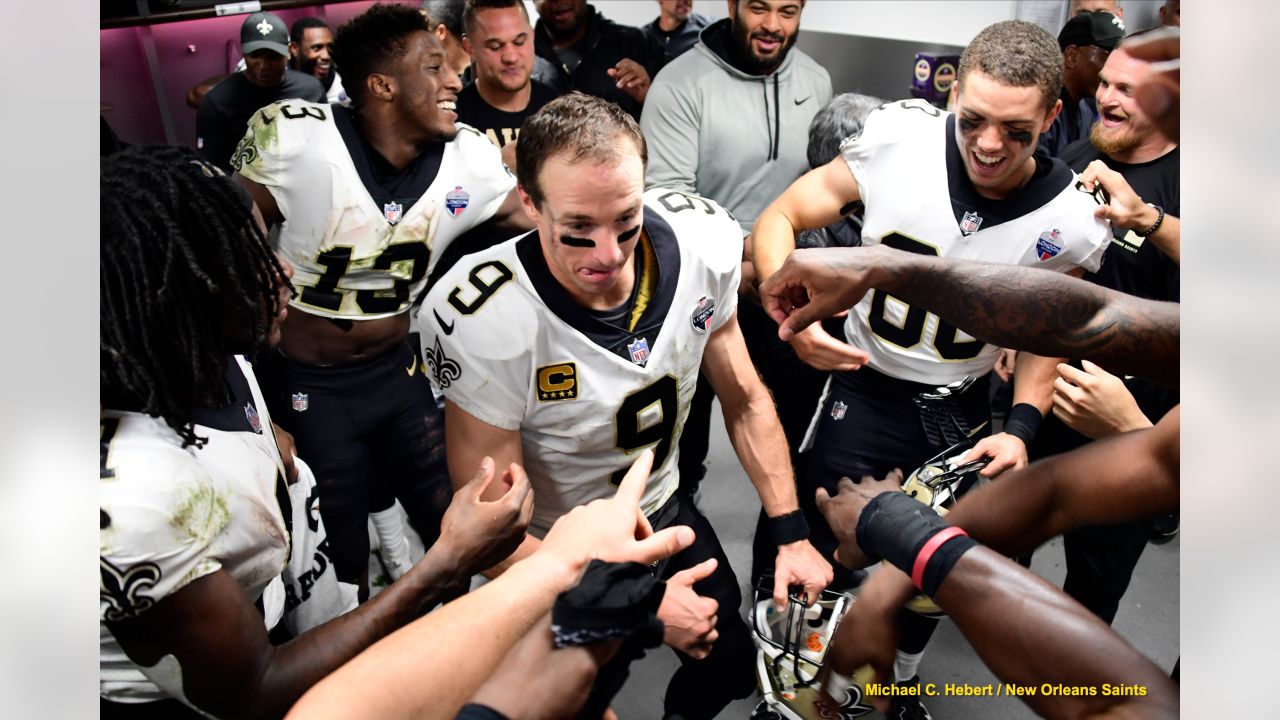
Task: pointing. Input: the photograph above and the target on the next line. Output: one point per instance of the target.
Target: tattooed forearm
(1042, 312)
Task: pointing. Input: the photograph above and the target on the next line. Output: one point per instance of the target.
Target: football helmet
(937, 483)
(791, 648)
(942, 478)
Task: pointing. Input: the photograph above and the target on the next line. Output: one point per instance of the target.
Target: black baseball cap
(1099, 28)
(264, 31)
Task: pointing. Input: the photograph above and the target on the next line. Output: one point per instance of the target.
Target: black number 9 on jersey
(632, 434)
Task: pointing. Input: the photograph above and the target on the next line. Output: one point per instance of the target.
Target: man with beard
(592, 54)
(1086, 41)
(500, 41)
(742, 159)
(311, 52)
(1137, 167)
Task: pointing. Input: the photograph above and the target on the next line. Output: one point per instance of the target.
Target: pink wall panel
(186, 53)
(125, 86)
(217, 50)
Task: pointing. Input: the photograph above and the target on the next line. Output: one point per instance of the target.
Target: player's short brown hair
(584, 127)
(473, 6)
(1016, 53)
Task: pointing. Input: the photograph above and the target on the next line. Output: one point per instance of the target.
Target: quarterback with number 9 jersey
(507, 345)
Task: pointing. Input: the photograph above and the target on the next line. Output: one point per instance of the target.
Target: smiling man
(500, 40)
(572, 348)
(1139, 169)
(729, 120)
(968, 186)
(224, 112)
(311, 52)
(366, 199)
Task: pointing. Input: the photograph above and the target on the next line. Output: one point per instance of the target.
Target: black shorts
(370, 431)
(868, 424)
(699, 688)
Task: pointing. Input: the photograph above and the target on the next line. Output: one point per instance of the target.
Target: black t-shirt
(223, 115)
(1131, 265)
(499, 125)
(604, 46)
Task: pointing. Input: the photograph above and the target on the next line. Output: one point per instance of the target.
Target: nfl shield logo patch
(970, 223)
(301, 402)
(639, 351)
(251, 414)
(702, 313)
(456, 200)
(838, 410)
(392, 211)
(1049, 244)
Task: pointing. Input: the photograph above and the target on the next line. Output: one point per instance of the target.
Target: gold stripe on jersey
(647, 282)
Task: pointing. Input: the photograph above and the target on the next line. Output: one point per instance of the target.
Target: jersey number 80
(911, 331)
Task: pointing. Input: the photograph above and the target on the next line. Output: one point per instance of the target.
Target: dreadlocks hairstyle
(186, 281)
(369, 42)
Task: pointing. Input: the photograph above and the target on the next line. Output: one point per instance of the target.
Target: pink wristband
(930, 547)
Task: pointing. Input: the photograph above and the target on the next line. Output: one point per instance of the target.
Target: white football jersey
(507, 344)
(362, 253)
(918, 198)
(171, 515)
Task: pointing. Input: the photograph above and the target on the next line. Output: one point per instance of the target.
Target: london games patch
(456, 200)
(1049, 244)
(702, 313)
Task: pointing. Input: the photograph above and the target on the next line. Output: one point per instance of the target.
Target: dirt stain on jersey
(202, 515)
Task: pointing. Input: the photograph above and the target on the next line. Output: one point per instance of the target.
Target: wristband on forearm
(788, 528)
(902, 530)
(1023, 421)
(939, 554)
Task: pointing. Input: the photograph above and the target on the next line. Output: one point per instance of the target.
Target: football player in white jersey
(572, 348)
(965, 185)
(198, 516)
(366, 199)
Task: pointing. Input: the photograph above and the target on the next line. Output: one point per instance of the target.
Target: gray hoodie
(721, 133)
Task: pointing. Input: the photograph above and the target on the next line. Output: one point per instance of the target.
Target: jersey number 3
(911, 331)
(634, 427)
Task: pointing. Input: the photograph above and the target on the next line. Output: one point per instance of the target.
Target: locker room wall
(147, 98)
(867, 46)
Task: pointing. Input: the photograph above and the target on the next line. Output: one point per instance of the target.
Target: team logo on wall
(392, 212)
(557, 382)
(456, 200)
(702, 313)
(970, 223)
(639, 351)
(838, 410)
(301, 402)
(251, 414)
(1049, 244)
